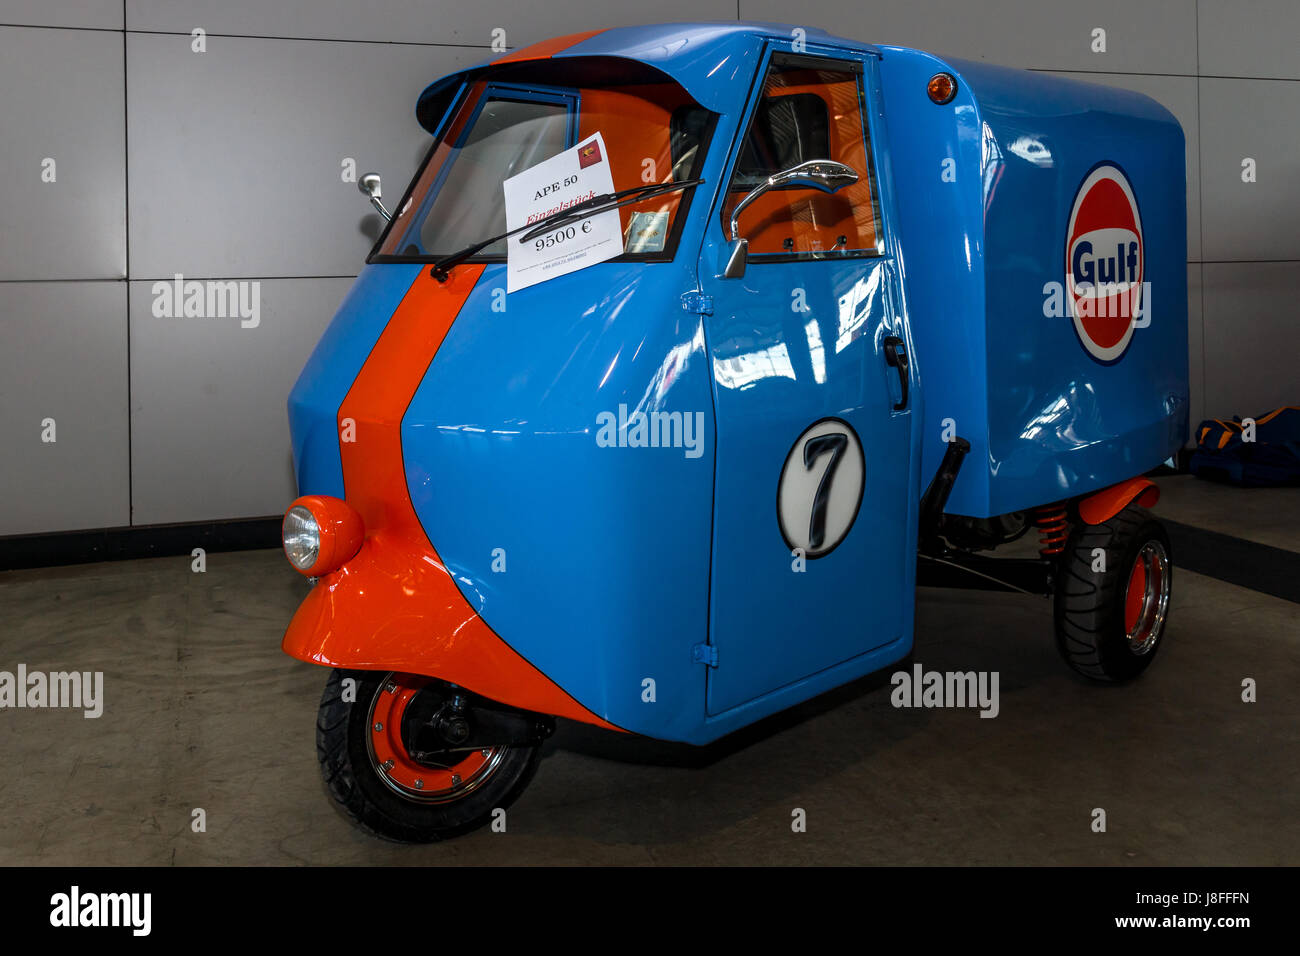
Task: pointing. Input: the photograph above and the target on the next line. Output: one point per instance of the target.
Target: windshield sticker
(647, 232)
(550, 187)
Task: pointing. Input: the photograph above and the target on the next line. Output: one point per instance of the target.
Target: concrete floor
(1263, 515)
(202, 710)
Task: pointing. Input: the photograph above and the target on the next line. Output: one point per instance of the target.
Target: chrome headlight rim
(300, 536)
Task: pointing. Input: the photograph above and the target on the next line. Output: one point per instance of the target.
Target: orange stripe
(395, 606)
(1275, 412)
(547, 48)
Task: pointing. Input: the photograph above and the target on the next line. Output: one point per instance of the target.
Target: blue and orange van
(877, 314)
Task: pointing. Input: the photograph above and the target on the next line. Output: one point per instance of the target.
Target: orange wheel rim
(393, 763)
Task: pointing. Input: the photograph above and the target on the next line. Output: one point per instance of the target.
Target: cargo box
(1032, 186)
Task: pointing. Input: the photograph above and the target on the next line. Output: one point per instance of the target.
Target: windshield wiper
(588, 207)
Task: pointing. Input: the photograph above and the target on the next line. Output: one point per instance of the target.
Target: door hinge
(705, 654)
(697, 302)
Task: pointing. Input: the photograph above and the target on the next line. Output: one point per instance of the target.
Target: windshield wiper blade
(588, 207)
(598, 204)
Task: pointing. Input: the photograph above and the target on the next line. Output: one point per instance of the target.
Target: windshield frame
(493, 89)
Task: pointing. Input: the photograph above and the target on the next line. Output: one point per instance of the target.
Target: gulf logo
(1104, 262)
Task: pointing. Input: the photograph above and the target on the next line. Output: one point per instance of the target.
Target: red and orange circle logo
(1105, 262)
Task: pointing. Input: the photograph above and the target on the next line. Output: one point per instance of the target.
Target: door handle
(896, 356)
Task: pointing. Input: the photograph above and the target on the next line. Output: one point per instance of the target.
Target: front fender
(394, 608)
(394, 604)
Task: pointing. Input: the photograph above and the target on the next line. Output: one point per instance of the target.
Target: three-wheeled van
(687, 354)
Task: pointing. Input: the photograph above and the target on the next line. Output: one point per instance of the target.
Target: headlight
(320, 534)
(301, 537)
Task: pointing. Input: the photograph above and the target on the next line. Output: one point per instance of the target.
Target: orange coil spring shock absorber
(1053, 529)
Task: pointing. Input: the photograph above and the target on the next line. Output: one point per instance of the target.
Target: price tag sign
(552, 186)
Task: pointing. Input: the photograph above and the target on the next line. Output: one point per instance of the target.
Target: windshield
(507, 137)
(653, 132)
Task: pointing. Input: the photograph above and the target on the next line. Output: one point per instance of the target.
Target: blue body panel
(330, 371)
(1046, 421)
(606, 549)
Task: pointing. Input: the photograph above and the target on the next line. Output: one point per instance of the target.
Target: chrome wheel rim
(1146, 600)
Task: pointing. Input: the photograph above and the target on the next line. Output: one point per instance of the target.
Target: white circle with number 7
(821, 484)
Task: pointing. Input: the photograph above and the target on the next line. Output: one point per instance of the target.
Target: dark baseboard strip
(1260, 567)
(147, 541)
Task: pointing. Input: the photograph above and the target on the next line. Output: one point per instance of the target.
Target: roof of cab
(707, 59)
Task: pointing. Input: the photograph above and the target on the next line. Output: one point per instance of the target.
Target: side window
(789, 129)
(810, 109)
(687, 129)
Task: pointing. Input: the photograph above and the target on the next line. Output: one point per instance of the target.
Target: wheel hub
(454, 775)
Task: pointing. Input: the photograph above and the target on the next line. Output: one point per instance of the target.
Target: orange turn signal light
(942, 88)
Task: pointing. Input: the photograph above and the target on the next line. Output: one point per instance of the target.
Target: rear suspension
(1053, 525)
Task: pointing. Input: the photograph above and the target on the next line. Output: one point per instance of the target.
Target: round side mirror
(369, 185)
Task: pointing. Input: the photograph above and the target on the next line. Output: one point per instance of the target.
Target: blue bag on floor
(1270, 460)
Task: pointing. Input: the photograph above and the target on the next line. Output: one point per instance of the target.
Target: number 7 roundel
(820, 490)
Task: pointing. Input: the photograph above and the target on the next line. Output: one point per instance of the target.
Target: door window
(810, 109)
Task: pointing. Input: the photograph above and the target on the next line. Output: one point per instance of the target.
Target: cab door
(813, 531)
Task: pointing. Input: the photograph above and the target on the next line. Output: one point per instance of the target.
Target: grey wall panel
(63, 357)
(1195, 344)
(1256, 119)
(1250, 337)
(413, 21)
(209, 424)
(62, 95)
(236, 153)
(85, 14)
(1157, 36)
(1255, 38)
(1178, 95)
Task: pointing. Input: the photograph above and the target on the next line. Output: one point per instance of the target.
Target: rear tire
(371, 776)
(1110, 623)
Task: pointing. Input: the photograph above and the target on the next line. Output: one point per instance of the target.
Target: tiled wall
(226, 164)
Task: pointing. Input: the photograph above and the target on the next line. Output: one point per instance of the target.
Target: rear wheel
(371, 773)
(1112, 596)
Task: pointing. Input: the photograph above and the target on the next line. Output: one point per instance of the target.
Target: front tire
(371, 775)
(1110, 621)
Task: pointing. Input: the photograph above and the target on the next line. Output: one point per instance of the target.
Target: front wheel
(370, 772)
(1112, 596)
